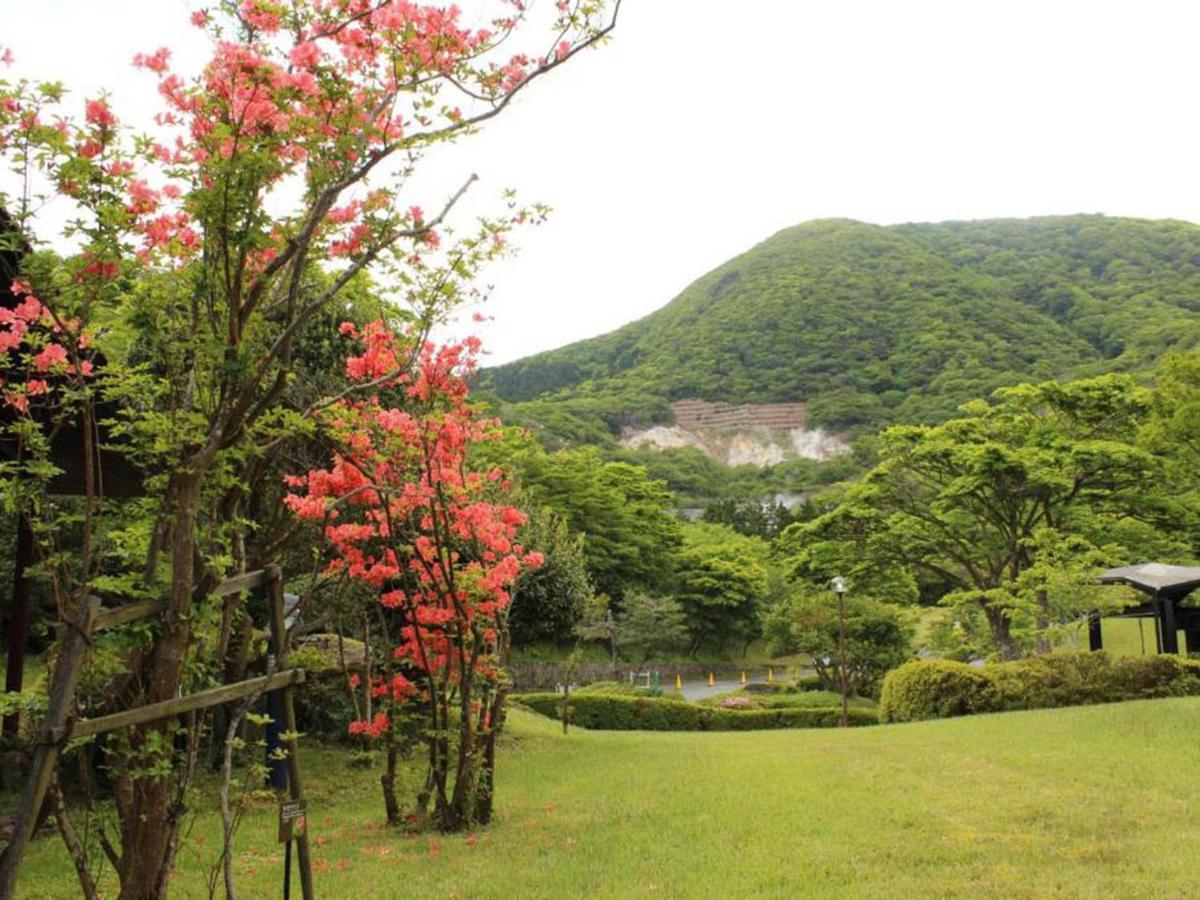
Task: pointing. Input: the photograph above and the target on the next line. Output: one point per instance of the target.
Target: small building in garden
(1166, 588)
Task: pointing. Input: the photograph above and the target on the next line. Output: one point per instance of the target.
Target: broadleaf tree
(188, 274)
(975, 503)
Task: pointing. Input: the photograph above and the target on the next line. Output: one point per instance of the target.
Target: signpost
(293, 824)
(59, 724)
(292, 821)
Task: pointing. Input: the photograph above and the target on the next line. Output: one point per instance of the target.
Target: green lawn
(1128, 637)
(1094, 801)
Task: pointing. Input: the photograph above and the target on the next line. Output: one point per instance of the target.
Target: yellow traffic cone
(678, 682)
(770, 676)
(711, 680)
(743, 677)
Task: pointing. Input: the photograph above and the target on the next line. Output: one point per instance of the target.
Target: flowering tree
(408, 517)
(201, 253)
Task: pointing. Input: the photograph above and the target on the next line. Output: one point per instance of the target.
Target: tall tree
(721, 582)
(975, 503)
(549, 601)
(288, 150)
(652, 625)
(630, 536)
(1173, 432)
(877, 637)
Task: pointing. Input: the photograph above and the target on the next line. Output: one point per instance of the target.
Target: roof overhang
(1156, 578)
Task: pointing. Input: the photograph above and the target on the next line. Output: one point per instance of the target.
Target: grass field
(1095, 801)
(1128, 637)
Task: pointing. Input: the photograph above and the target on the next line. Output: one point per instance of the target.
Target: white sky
(707, 125)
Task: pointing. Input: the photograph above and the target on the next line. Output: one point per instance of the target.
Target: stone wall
(692, 414)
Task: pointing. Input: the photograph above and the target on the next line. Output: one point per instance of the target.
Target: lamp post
(839, 587)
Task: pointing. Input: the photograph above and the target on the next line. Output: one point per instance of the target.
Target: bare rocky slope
(741, 435)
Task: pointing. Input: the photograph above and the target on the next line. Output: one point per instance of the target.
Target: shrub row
(622, 712)
(935, 689)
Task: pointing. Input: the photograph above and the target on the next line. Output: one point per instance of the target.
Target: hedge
(934, 689)
(622, 712)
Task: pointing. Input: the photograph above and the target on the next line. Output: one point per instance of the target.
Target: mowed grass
(1134, 637)
(1096, 802)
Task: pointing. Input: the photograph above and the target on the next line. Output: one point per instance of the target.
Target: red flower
(97, 113)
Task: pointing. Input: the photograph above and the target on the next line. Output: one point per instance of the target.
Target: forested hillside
(871, 325)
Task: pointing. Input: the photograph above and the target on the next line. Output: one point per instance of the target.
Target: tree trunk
(149, 829)
(388, 779)
(1043, 621)
(485, 796)
(18, 620)
(466, 768)
(1001, 628)
(494, 723)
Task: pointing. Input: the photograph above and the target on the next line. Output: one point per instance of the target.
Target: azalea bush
(168, 320)
(738, 703)
(408, 517)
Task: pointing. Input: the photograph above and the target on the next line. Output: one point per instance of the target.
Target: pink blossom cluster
(30, 328)
(405, 514)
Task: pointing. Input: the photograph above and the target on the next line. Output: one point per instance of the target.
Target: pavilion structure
(1166, 588)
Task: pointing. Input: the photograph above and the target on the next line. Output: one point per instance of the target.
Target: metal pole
(844, 721)
(287, 871)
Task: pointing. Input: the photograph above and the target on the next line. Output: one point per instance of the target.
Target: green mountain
(870, 325)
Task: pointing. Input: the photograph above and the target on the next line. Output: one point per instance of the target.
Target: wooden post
(45, 758)
(1095, 636)
(1170, 637)
(279, 635)
(1192, 634)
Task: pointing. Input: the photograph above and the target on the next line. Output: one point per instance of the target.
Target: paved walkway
(698, 690)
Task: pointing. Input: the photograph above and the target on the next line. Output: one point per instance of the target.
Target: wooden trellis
(60, 725)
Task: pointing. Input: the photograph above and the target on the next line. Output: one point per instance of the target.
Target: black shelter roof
(1159, 579)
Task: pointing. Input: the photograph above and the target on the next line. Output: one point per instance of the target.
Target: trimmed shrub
(809, 683)
(935, 689)
(932, 689)
(807, 699)
(617, 712)
(605, 687)
(1055, 679)
(765, 687)
(719, 719)
(1141, 677)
